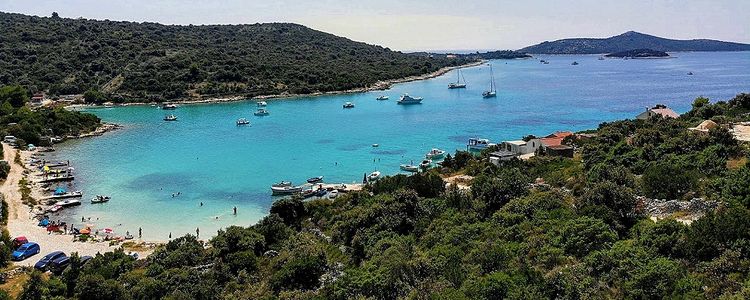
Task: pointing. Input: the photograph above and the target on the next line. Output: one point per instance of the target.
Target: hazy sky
(433, 24)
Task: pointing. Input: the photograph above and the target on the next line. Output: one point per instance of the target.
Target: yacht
(169, 106)
(348, 105)
(406, 99)
(409, 168)
(493, 90)
(242, 121)
(383, 97)
(262, 104)
(373, 176)
(458, 84)
(435, 153)
(261, 112)
(285, 190)
(170, 118)
(478, 144)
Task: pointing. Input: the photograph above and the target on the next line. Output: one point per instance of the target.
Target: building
(37, 99)
(704, 126)
(552, 144)
(658, 110)
(521, 147)
(497, 156)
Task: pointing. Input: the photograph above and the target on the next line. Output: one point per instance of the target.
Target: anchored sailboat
(493, 89)
(458, 84)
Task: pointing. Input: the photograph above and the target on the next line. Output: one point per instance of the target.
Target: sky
(432, 24)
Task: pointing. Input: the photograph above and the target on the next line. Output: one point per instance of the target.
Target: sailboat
(458, 84)
(493, 89)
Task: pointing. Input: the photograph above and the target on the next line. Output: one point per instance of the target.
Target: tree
(668, 181)
(34, 288)
(94, 96)
(291, 210)
(495, 191)
(700, 102)
(96, 287)
(16, 95)
(583, 235)
(608, 201)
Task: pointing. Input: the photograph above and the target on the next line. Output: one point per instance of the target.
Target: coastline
(22, 222)
(378, 86)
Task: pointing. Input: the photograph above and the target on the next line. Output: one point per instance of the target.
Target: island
(628, 41)
(639, 53)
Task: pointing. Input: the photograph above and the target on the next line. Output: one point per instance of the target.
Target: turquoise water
(208, 159)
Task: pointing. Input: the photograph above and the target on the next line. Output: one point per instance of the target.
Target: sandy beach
(22, 223)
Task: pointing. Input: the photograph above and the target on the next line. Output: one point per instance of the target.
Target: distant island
(639, 53)
(629, 41)
(129, 61)
(499, 54)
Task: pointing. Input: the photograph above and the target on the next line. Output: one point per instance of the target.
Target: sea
(172, 178)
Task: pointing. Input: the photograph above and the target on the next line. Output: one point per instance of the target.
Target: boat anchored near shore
(406, 99)
(242, 121)
(170, 118)
(261, 112)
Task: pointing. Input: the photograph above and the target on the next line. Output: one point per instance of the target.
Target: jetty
(57, 179)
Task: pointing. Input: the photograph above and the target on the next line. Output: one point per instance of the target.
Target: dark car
(58, 265)
(44, 263)
(85, 259)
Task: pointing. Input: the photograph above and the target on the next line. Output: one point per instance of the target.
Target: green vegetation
(638, 53)
(126, 61)
(581, 235)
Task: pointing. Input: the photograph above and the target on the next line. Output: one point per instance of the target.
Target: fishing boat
(348, 105)
(261, 103)
(286, 190)
(435, 153)
(382, 97)
(315, 179)
(478, 144)
(242, 121)
(373, 176)
(406, 99)
(425, 164)
(575, 63)
(69, 203)
(100, 199)
(493, 90)
(458, 84)
(261, 112)
(282, 184)
(169, 106)
(409, 168)
(170, 118)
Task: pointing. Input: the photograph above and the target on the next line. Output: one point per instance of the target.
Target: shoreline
(378, 86)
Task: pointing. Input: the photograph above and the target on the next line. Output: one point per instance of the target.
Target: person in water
(235, 210)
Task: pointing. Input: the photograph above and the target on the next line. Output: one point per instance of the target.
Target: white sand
(21, 222)
(741, 132)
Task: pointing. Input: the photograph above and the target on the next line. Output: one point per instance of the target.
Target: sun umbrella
(108, 230)
(85, 231)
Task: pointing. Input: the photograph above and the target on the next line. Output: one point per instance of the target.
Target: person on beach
(197, 232)
(170, 235)
(140, 232)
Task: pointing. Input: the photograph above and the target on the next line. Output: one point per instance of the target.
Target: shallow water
(208, 159)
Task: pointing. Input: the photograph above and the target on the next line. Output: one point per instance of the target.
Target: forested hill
(148, 61)
(629, 41)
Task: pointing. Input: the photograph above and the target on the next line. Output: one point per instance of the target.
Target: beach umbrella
(85, 231)
(108, 230)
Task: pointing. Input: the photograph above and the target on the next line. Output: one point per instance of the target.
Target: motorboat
(409, 168)
(333, 194)
(69, 203)
(435, 153)
(55, 208)
(690, 73)
(383, 97)
(315, 179)
(169, 106)
(261, 112)
(100, 199)
(282, 184)
(242, 121)
(170, 118)
(66, 195)
(373, 176)
(575, 63)
(478, 144)
(261, 103)
(286, 190)
(406, 99)
(348, 105)
(425, 164)
(375, 145)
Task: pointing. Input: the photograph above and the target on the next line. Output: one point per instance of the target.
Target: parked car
(58, 265)
(44, 263)
(18, 241)
(25, 251)
(85, 259)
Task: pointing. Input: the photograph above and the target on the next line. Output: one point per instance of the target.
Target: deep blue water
(208, 159)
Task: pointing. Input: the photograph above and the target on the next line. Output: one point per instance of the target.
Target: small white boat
(261, 112)
(282, 184)
(262, 103)
(375, 145)
(348, 105)
(478, 144)
(169, 106)
(100, 199)
(373, 176)
(426, 164)
(170, 118)
(69, 202)
(406, 99)
(286, 190)
(333, 194)
(383, 97)
(55, 208)
(242, 121)
(409, 168)
(435, 153)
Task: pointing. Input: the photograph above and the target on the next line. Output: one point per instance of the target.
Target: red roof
(560, 134)
(665, 112)
(551, 141)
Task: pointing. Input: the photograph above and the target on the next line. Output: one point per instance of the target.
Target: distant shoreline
(378, 86)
